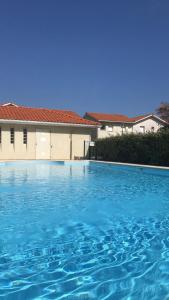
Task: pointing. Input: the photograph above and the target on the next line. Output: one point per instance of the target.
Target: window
(0, 136)
(142, 129)
(12, 135)
(25, 136)
(103, 127)
(110, 128)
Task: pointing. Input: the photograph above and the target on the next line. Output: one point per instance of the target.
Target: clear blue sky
(85, 55)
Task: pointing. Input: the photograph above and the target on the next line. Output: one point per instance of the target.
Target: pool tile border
(95, 161)
(130, 165)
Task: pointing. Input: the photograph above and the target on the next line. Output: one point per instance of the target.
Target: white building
(41, 133)
(115, 124)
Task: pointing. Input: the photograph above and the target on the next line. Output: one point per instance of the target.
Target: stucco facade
(55, 142)
(109, 129)
(112, 129)
(113, 125)
(42, 133)
(151, 124)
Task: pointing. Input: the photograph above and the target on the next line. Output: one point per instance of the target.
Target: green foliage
(149, 148)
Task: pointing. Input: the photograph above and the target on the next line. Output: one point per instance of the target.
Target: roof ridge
(99, 113)
(33, 107)
(66, 112)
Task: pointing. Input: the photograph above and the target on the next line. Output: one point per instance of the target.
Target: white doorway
(42, 144)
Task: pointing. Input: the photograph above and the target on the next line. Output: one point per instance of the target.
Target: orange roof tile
(21, 113)
(113, 117)
(137, 118)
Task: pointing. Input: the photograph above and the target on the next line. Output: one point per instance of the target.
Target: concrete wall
(113, 129)
(68, 143)
(65, 142)
(18, 150)
(109, 130)
(78, 143)
(148, 125)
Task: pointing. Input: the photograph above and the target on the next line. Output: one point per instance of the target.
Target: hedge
(149, 148)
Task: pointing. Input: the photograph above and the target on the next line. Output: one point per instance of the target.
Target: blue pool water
(83, 231)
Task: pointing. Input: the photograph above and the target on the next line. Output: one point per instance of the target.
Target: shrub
(149, 148)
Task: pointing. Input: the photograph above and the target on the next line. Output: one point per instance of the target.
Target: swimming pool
(81, 231)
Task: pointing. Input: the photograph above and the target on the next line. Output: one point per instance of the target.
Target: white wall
(18, 150)
(148, 124)
(113, 129)
(66, 142)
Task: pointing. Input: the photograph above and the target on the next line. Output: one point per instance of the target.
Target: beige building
(37, 133)
(112, 125)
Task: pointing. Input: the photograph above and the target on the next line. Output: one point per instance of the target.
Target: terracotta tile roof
(113, 117)
(137, 118)
(22, 113)
(107, 117)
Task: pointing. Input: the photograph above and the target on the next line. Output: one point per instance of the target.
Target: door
(42, 144)
(60, 145)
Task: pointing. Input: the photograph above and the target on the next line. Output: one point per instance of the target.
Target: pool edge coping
(130, 164)
(91, 160)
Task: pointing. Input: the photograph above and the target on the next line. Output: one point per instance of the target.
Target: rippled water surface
(83, 231)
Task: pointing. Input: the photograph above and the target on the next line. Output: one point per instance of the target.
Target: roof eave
(150, 116)
(128, 122)
(136, 121)
(24, 122)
